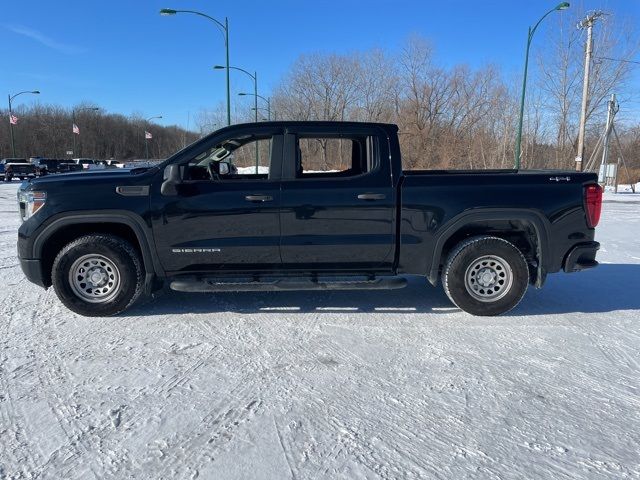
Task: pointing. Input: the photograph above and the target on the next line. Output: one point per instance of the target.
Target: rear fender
(539, 222)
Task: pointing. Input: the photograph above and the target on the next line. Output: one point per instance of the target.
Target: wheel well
(520, 233)
(67, 234)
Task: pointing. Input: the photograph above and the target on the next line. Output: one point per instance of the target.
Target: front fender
(31, 245)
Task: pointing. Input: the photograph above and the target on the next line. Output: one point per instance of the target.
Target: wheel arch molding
(486, 218)
(102, 219)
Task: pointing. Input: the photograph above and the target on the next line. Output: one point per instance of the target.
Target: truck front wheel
(98, 275)
(485, 276)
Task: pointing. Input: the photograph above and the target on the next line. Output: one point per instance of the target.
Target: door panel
(231, 223)
(339, 223)
(211, 226)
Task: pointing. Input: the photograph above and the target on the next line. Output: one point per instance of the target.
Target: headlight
(30, 202)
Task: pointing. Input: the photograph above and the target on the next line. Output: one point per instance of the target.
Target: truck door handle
(258, 198)
(372, 196)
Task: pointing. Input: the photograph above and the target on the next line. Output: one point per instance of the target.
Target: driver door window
(250, 155)
(234, 159)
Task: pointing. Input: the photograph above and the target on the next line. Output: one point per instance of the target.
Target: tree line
(46, 131)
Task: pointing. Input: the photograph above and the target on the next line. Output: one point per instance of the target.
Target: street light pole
(225, 30)
(560, 6)
(254, 77)
(13, 144)
(255, 96)
(268, 110)
(226, 44)
(267, 100)
(146, 140)
(255, 108)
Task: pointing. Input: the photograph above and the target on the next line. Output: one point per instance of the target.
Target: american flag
(148, 135)
(76, 130)
(13, 119)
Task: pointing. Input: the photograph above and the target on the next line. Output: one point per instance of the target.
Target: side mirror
(172, 178)
(225, 168)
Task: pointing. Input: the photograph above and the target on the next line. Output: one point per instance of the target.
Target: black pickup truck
(48, 166)
(303, 205)
(16, 167)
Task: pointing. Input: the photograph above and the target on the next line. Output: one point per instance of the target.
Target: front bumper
(32, 268)
(581, 257)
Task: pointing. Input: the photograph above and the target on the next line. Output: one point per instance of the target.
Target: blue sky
(123, 56)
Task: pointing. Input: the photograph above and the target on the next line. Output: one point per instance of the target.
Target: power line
(617, 60)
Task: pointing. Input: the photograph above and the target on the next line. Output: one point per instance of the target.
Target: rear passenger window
(329, 157)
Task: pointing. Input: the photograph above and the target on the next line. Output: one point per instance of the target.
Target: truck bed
(497, 171)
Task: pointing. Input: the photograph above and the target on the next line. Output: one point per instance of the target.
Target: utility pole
(605, 139)
(588, 24)
(612, 109)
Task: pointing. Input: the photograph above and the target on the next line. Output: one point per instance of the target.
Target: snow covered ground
(337, 385)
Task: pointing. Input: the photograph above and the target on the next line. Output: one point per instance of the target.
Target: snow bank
(250, 170)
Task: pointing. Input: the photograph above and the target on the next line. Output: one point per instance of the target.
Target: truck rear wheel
(98, 275)
(485, 276)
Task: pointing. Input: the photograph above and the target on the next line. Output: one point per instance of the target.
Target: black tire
(485, 276)
(117, 253)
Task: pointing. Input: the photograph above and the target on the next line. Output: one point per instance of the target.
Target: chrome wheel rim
(488, 278)
(94, 278)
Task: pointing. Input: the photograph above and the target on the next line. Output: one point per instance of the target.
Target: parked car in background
(85, 162)
(16, 167)
(110, 163)
(66, 166)
(47, 166)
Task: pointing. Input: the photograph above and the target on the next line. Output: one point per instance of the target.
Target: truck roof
(311, 123)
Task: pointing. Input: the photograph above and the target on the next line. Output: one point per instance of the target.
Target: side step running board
(193, 284)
